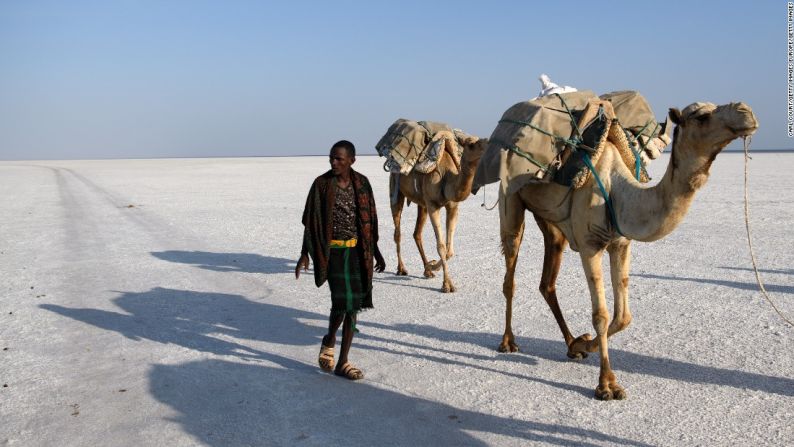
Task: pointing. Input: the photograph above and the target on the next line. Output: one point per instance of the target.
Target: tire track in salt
(95, 217)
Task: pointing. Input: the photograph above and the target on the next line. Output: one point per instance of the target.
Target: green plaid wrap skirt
(345, 281)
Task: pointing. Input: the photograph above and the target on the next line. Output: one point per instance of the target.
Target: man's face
(340, 161)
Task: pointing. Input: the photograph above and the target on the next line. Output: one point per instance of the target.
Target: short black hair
(348, 146)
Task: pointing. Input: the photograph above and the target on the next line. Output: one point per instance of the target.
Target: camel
(445, 187)
(643, 213)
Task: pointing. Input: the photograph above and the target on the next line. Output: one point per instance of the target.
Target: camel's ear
(463, 138)
(468, 140)
(442, 135)
(664, 126)
(675, 115)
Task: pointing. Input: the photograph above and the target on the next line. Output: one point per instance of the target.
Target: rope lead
(489, 208)
(749, 238)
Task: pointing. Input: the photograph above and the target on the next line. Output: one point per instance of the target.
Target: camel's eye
(703, 118)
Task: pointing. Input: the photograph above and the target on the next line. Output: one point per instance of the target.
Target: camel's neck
(458, 186)
(648, 214)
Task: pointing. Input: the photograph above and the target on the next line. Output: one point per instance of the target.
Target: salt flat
(153, 302)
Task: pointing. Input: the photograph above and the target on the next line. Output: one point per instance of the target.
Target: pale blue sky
(132, 79)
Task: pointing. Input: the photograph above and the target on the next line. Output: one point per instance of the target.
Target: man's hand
(380, 264)
(303, 262)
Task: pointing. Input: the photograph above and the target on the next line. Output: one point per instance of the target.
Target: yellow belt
(335, 243)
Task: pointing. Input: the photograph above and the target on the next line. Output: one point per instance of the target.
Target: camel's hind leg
(511, 231)
(554, 243)
(397, 202)
(452, 223)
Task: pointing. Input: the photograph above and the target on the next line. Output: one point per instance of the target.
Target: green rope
(416, 149)
(634, 149)
(567, 141)
(643, 147)
(600, 114)
(650, 136)
(574, 142)
(424, 126)
(393, 154)
(636, 143)
(604, 193)
(573, 121)
(409, 142)
(516, 150)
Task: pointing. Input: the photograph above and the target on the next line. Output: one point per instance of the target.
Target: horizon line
(166, 157)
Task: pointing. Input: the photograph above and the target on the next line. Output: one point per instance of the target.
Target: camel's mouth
(738, 133)
(747, 123)
(745, 131)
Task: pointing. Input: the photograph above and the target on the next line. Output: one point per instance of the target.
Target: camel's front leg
(619, 262)
(421, 218)
(554, 243)
(396, 214)
(452, 223)
(608, 387)
(511, 231)
(435, 219)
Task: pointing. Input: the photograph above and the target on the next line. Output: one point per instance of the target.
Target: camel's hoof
(429, 274)
(611, 392)
(508, 347)
(402, 272)
(603, 393)
(577, 350)
(448, 288)
(434, 266)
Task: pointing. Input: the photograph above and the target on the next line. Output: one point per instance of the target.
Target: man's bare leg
(343, 367)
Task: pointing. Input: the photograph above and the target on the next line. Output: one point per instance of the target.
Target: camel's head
(706, 128)
(473, 147)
